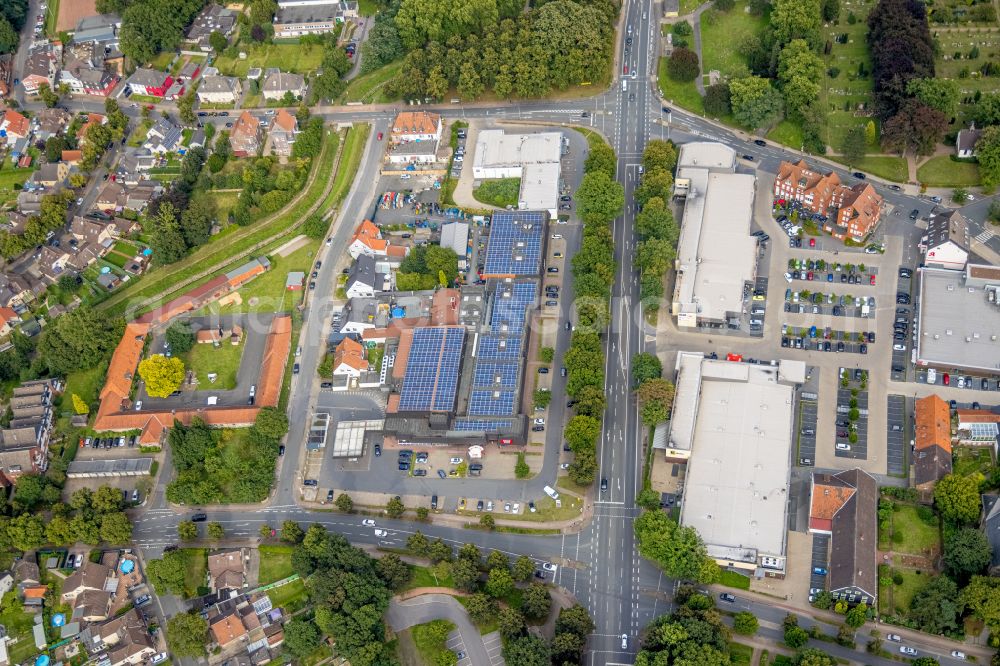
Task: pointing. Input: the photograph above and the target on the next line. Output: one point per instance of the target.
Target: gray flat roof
(735, 494)
(120, 467)
(959, 326)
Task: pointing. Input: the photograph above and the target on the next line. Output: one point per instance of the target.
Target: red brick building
(852, 212)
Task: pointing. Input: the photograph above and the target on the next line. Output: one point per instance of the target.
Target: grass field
(297, 58)
(224, 202)
(884, 166)
(86, 383)
(688, 6)
(162, 60)
(267, 293)
(223, 360)
(164, 280)
(424, 577)
(740, 654)
(291, 597)
(721, 35)
(9, 177)
(942, 171)
(840, 95)
(430, 639)
(350, 159)
(786, 133)
(733, 579)
(138, 135)
(367, 7)
(51, 18)
(973, 49)
(919, 538)
(368, 87)
(499, 192)
(902, 595)
(684, 95)
(195, 570)
(275, 563)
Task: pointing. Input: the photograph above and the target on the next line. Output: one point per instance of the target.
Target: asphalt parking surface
(793, 334)
(807, 424)
(820, 546)
(895, 441)
(859, 449)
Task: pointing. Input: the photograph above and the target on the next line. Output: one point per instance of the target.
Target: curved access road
(428, 607)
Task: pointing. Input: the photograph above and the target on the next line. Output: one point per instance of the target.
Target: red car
(871, 280)
(625, 69)
(946, 378)
(809, 276)
(380, 136)
(812, 242)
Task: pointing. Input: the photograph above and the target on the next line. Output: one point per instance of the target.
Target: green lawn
(85, 383)
(297, 58)
(424, 577)
(162, 60)
(367, 7)
(840, 95)
(684, 95)
(224, 202)
(971, 460)
(947, 66)
(721, 36)
(267, 293)
(430, 639)
(735, 580)
(499, 192)
(18, 625)
(138, 135)
(52, 18)
(740, 654)
(166, 280)
(195, 570)
(9, 177)
(902, 595)
(919, 538)
(688, 6)
(368, 87)
(223, 360)
(884, 166)
(291, 597)
(275, 563)
(786, 133)
(942, 171)
(350, 158)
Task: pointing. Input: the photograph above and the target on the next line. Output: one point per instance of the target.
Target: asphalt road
(405, 614)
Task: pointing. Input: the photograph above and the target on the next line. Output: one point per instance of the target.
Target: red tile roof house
(283, 129)
(40, 67)
(149, 82)
(8, 320)
(852, 211)
(245, 137)
(932, 444)
(14, 126)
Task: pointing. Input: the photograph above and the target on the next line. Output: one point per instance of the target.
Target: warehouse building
(716, 256)
(534, 158)
(959, 324)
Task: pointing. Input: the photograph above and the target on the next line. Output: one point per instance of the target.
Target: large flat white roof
(494, 148)
(959, 327)
(735, 494)
(539, 187)
(707, 155)
(715, 253)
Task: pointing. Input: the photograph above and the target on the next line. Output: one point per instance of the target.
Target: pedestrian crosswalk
(985, 235)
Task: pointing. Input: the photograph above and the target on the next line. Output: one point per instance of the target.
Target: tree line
(13, 15)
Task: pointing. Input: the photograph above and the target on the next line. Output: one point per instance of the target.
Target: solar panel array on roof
(431, 377)
(515, 243)
(490, 373)
(491, 403)
(483, 425)
(510, 306)
(499, 347)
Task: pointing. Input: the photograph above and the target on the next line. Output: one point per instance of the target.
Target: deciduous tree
(186, 634)
(162, 375)
(957, 499)
(755, 103)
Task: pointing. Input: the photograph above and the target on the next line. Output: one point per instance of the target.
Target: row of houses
(24, 443)
(247, 136)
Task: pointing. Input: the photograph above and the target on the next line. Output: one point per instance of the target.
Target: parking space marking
(896, 439)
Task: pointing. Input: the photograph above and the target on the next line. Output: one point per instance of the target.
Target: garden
(499, 192)
(944, 171)
(223, 360)
(297, 58)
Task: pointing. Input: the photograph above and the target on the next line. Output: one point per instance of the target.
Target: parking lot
(807, 429)
(816, 338)
(849, 398)
(820, 547)
(897, 435)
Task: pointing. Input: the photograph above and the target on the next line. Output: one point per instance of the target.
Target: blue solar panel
(498, 347)
(510, 305)
(491, 403)
(515, 244)
(486, 425)
(431, 377)
(493, 374)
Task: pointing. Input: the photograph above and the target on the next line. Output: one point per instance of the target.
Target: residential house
(368, 240)
(946, 243)
(26, 571)
(111, 198)
(190, 70)
(965, 142)
(72, 157)
(844, 507)
(51, 176)
(93, 119)
(990, 524)
(90, 231)
(932, 444)
(363, 278)
(276, 85)
(29, 202)
(109, 281)
(412, 152)
(163, 138)
(227, 570)
(9, 319)
(149, 82)
(213, 18)
(311, 17)
(245, 137)
(85, 73)
(978, 427)
(14, 126)
(14, 464)
(133, 163)
(101, 28)
(294, 280)
(229, 629)
(284, 127)
(349, 359)
(6, 584)
(16, 290)
(416, 126)
(140, 196)
(50, 122)
(125, 639)
(219, 89)
(197, 139)
(852, 212)
(32, 600)
(91, 576)
(40, 69)
(92, 606)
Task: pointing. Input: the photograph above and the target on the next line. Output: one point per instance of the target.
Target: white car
(405, 176)
(896, 638)
(906, 649)
(456, 461)
(539, 421)
(157, 658)
(138, 405)
(381, 533)
(788, 277)
(368, 522)
(557, 235)
(899, 347)
(958, 654)
(548, 566)
(489, 505)
(564, 466)
(516, 508)
(843, 447)
(624, 641)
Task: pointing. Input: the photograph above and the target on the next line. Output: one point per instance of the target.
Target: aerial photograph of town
(499, 332)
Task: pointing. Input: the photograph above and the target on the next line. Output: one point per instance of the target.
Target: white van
(931, 376)
(624, 85)
(551, 492)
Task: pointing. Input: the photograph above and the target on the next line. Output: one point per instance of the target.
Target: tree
(486, 521)
(115, 528)
(185, 108)
(679, 551)
(745, 623)
(216, 531)
(8, 36)
(394, 507)
(716, 100)
(218, 42)
(106, 500)
(870, 132)
(599, 199)
(78, 339)
(831, 10)
(481, 608)
(180, 337)
(957, 499)
(186, 634)
(499, 583)
(167, 574)
(814, 657)
(301, 636)
(935, 607)
(526, 651)
(683, 65)
(49, 97)
(655, 183)
(645, 366)
(967, 551)
(988, 156)
(925, 661)
(755, 103)
(162, 375)
(315, 226)
(960, 195)
(535, 601)
(395, 572)
(796, 637)
(582, 432)
(510, 622)
(574, 620)
(854, 147)
(166, 237)
(982, 597)
(497, 560)
(26, 532)
(542, 398)
(940, 94)
(79, 405)
(523, 568)
(465, 573)
(601, 158)
(856, 616)
(187, 530)
(795, 19)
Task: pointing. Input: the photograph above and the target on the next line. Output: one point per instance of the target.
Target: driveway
(425, 608)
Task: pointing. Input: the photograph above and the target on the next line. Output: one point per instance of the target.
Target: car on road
(819, 571)
(624, 641)
(907, 650)
(843, 446)
(420, 472)
(456, 460)
(894, 637)
(281, 450)
(859, 175)
(760, 142)
(404, 466)
(914, 214)
(381, 533)
(422, 457)
(442, 474)
(748, 158)
(958, 654)
(199, 517)
(548, 566)
(728, 598)
(899, 347)
(377, 450)
(604, 484)
(506, 507)
(871, 280)
(380, 136)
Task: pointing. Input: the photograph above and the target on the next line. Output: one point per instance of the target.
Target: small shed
(294, 280)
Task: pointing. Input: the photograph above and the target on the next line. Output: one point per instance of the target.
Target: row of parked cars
(110, 442)
(406, 460)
